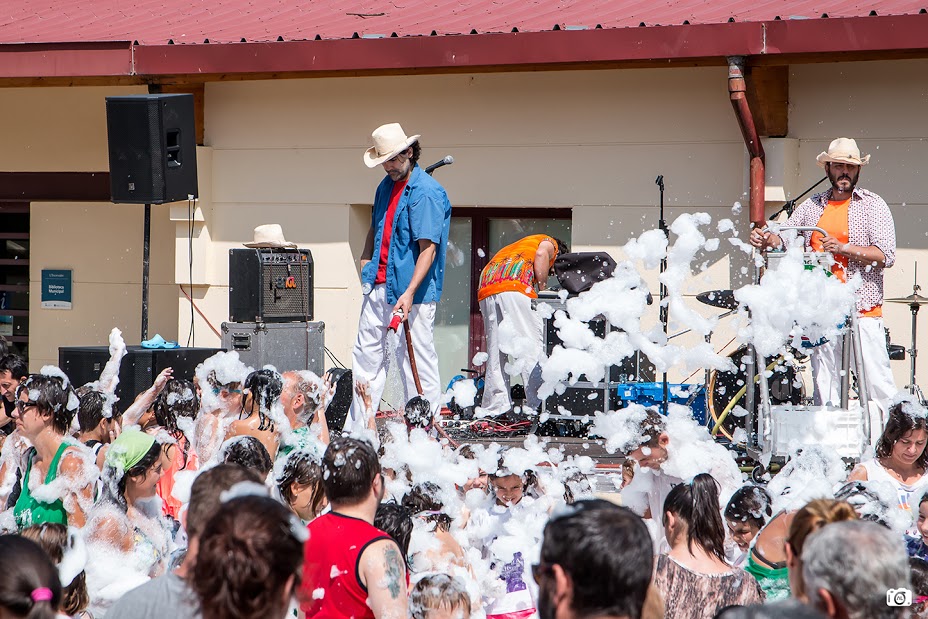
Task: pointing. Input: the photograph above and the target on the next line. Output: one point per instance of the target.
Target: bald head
(300, 396)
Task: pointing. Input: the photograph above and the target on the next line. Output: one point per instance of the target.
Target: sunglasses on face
(218, 390)
(398, 158)
(21, 405)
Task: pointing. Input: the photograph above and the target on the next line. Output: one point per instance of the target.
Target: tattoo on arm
(394, 571)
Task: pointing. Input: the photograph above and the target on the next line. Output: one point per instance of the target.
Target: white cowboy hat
(389, 141)
(842, 150)
(270, 236)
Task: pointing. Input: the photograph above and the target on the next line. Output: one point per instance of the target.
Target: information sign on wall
(56, 289)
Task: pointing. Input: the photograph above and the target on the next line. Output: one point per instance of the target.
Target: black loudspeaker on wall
(270, 285)
(152, 147)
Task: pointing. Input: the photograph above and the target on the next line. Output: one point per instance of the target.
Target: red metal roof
(154, 22)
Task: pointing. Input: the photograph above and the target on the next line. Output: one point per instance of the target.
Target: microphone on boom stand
(448, 160)
(789, 205)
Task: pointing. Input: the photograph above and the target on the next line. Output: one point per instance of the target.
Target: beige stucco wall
(64, 129)
(102, 245)
(289, 151)
(882, 105)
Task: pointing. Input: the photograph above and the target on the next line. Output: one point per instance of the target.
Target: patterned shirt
(512, 269)
(869, 223)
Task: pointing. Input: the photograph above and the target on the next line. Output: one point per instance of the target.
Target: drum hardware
(664, 308)
(758, 417)
(724, 299)
(896, 352)
(914, 301)
(725, 390)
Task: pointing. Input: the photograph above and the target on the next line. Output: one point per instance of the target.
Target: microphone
(448, 160)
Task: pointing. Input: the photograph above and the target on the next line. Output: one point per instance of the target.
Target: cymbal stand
(913, 352)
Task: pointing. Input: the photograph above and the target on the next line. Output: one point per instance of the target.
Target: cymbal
(720, 298)
(915, 298)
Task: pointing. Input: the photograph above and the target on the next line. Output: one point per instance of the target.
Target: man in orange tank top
(862, 239)
(507, 286)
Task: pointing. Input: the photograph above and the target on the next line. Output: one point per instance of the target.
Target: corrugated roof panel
(225, 21)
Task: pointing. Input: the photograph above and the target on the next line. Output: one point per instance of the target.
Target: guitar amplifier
(270, 285)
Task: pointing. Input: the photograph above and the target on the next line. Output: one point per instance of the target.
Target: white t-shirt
(520, 590)
(648, 491)
(909, 494)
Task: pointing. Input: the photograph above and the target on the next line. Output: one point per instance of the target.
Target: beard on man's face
(837, 177)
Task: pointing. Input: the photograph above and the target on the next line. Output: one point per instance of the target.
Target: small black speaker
(270, 285)
(153, 148)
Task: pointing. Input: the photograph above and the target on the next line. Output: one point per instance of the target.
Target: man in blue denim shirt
(402, 269)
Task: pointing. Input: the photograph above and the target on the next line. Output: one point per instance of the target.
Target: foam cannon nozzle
(396, 320)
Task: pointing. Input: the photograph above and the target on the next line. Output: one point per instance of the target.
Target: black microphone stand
(789, 205)
(659, 181)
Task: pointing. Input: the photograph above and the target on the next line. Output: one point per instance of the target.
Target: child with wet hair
(434, 547)
(263, 389)
(418, 414)
(919, 576)
(694, 574)
(915, 544)
(98, 420)
(439, 596)
(177, 401)
(869, 502)
(300, 485)
(247, 452)
(396, 521)
(55, 540)
(29, 584)
(747, 512)
(482, 481)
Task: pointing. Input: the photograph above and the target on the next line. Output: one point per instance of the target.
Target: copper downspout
(739, 101)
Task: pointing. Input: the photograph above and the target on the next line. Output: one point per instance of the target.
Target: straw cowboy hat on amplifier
(270, 236)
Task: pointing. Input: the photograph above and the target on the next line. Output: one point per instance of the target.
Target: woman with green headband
(55, 465)
(127, 518)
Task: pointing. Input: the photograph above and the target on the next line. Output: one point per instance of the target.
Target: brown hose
(412, 357)
(415, 376)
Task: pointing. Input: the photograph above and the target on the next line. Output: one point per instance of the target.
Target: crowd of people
(227, 496)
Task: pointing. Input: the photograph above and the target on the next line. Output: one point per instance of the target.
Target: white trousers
(826, 366)
(516, 309)
(369, 358)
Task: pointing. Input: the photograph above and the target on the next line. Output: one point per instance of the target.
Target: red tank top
(331, 585)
